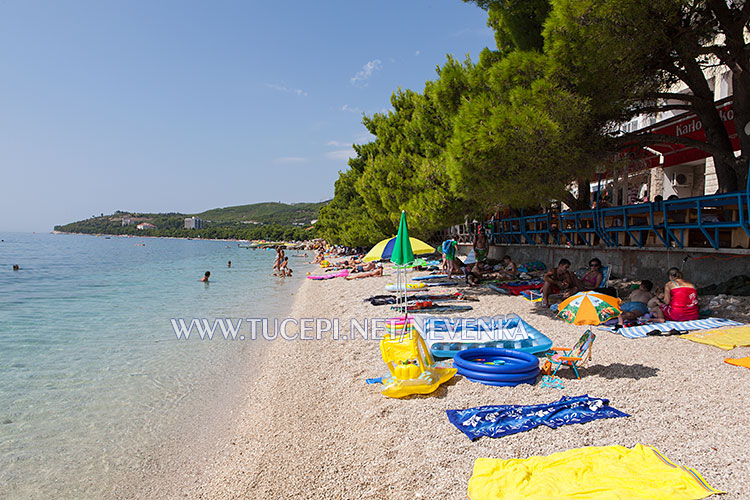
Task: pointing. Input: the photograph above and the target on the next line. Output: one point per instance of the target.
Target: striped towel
(640, 331)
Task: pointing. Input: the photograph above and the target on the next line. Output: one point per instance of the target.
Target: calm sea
(92, 373)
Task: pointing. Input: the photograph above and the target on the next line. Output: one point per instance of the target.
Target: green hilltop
(265, 213)
(269, 220)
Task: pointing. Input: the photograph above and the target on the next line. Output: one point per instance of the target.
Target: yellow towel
(723, 338)
(739, 361)
(605, 473)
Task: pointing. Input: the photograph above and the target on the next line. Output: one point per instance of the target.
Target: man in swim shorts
(559, 280)
(637, 304)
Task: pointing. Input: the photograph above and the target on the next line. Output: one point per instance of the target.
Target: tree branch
(660, 109)
(672, 95)
(631, 140)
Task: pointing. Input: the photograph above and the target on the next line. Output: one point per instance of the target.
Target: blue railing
(668, 223)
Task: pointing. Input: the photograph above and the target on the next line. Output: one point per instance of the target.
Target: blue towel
(503, 420)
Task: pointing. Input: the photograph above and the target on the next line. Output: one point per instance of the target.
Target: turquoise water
(92, 371)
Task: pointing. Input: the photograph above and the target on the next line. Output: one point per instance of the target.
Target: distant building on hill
(193, 223)
(145, 225)
(127, 221)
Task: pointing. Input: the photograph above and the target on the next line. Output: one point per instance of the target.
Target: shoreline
(312, 428)
(183, 459)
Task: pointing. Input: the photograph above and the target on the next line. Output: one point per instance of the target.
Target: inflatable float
(393, 287)
(500, 367)
(448, 336)
(412, 368)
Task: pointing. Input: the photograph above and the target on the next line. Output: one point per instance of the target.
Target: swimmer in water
(206, 276)
(229, 264)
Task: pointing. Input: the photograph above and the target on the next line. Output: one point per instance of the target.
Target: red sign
(685, 125)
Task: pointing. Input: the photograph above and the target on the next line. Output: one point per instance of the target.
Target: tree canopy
(542, 110)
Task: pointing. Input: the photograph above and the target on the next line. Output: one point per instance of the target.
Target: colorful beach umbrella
(589, 308)
(384, 249)
(402, 251)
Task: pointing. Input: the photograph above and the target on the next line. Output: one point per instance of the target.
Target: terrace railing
(719, 221)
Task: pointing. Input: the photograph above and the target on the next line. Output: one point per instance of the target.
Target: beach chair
(575, 357)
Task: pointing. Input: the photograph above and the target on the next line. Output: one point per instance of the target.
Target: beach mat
(640, 331)
(340, 274)
(429, 277)
(739, 362)
(436, 308)
(602, 472)
(725, 338)
(504, 420)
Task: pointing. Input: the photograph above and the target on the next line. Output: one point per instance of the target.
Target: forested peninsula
(270, 221)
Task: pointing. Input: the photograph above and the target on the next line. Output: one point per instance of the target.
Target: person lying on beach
(377, 272)
(593, 278)
(362, 268)
(559, 280)
(680, 301)
(206, 276)
(319, 258)
(637, 304)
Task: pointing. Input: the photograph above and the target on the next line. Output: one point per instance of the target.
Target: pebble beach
(310, 427)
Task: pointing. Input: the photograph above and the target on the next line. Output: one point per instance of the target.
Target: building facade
(193, 223)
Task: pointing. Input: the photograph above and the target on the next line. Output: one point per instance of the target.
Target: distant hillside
(257, 221)
(266, 213)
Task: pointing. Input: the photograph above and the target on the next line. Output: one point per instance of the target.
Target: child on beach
(637, 304)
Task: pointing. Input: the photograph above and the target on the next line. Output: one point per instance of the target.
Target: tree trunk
(741, 109)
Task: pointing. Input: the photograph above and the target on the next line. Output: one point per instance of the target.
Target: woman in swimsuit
(593, 278)
(680, 299)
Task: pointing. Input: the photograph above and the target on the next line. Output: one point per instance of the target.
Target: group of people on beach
(678, 301)
(281, 263)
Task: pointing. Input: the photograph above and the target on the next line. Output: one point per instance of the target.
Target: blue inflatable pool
(501, 367)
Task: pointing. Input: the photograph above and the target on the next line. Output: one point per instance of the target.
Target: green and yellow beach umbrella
(393, 248)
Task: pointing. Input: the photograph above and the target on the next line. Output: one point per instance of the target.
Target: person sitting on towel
(509, 270)
(559, 280)
(680, 299)
(637, 304)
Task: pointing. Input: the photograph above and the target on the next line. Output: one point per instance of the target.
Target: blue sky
(184, 106)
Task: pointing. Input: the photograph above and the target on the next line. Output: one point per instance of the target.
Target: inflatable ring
(518, 367)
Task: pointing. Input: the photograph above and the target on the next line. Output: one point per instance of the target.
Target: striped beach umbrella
(589, 308)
